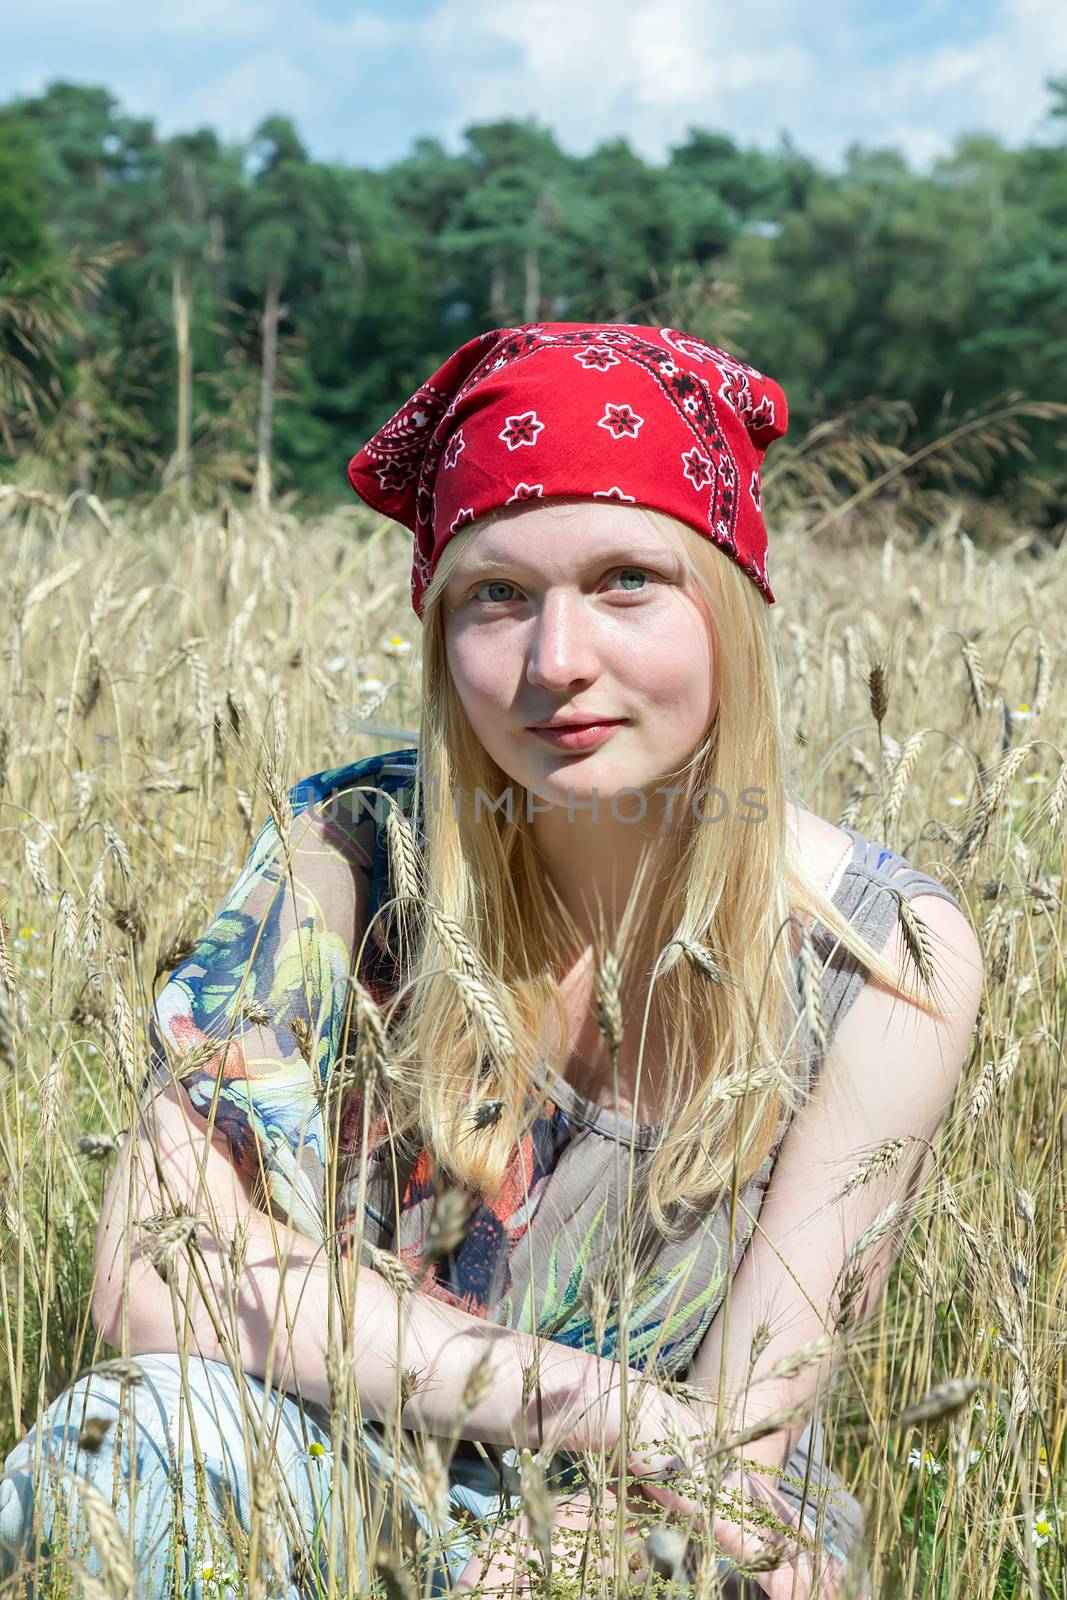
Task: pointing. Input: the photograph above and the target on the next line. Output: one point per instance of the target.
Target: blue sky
(363, 81)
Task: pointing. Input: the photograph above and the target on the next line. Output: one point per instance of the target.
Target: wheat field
(159, 667)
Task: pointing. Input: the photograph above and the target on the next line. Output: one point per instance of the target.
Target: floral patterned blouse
(257, 1016)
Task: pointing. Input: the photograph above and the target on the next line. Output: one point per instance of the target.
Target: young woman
(569, 1018)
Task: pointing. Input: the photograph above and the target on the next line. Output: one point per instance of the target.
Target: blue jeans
(157, 1444)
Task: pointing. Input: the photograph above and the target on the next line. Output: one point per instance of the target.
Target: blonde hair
(490, 938)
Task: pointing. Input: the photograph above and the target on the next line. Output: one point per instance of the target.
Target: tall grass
(161, 673)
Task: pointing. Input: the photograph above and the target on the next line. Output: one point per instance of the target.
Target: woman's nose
(562, 646)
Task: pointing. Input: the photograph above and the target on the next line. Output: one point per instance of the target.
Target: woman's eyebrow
(501, 563)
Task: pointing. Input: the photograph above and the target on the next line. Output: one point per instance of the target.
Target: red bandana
(607, 410)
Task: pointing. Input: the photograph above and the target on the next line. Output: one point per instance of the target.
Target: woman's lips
(584, 737)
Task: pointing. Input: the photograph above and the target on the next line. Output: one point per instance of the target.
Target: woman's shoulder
(845, 863)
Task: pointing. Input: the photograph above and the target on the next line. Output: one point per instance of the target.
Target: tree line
(195, 313)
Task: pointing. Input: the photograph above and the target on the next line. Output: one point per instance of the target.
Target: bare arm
(275, 1310)
(889, 1072)
(245, 1033)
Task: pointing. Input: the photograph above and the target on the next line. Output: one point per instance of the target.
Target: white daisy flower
(370, 685)
(957, 799)
(1044, 1529)
(923, 1460)
(1022, 713)
(337, 664)
(395, 645)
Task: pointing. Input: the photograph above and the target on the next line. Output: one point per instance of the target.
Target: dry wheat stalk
(874, 1231)
(8, 1030)
(120, 1369)
(849, 1293)
(976, 680)
(902, 772)
(37, 870)
(96, 1145)
(942, 1401)
(92, 915)
(883, 1158)
(172, 1233)
(702, 959)
(118, 846)
(608, 991)
(124, 1037)
(878, 692)
(305, 1036)
(84, 784)
(448, 1224)
(396, 1580)
(916, 939)
(403, 852)
(746, 1080)
(1057, 801)
(88, 692)
(479, 1384)
(809, 982)
(790, 1365)
(457, 946)
(431, 1484)
(863, 762)
(1042, 676)
(67, 916)
(7, 969)
(539, 1505)
(111, 1546)
(372, 1044)
(599, 1308)
(1007, 1063)
(50, 1103)
(482, 1004)
(392, 1269)
(982, 1092)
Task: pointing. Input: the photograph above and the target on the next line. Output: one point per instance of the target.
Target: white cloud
(591, 70)
(237, 98)
(650, 70)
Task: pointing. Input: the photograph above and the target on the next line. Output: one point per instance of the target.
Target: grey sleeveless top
(684, 1284)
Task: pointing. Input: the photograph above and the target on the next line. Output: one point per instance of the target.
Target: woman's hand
(801, 1573)
(499, 1565)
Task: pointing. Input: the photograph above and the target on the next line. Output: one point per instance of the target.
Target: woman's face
(591, 615)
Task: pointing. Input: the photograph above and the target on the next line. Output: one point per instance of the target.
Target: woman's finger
(500, 1561)
(747, 1545)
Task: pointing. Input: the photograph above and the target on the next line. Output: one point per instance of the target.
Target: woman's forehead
(589, 528)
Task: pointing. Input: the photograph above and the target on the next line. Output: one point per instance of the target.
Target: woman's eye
(499, 583)
(631, 572)
(494, 583)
